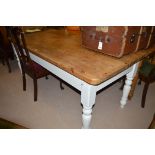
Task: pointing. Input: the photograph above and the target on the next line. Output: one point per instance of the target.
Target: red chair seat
(38, 69)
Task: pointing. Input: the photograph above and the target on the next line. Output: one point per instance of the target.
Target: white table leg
(88, 96)
(127, 86)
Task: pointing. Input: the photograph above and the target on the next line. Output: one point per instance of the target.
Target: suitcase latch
(132, 39)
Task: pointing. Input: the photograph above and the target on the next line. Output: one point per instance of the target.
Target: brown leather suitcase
(145, 33)
(112, 40)
(151, 40)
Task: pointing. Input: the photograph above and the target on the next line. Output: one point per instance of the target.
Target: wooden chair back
(18, 38)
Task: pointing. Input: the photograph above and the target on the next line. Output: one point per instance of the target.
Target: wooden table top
(64, 50)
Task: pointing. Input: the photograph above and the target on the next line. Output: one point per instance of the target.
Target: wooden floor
(152, 125)
(4, 124)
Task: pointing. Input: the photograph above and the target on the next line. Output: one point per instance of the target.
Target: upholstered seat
(38, 70)
(147, 68)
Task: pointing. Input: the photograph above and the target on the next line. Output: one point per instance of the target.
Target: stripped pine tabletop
(64, 50)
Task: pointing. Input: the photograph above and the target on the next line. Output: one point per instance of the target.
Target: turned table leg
(127, 86)
(88, 96)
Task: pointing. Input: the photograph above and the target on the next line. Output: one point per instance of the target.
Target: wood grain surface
(63, 49)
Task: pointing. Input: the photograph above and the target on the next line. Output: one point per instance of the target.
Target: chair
(28, 66)
(147, 75)
(8, 30)
(4, 53)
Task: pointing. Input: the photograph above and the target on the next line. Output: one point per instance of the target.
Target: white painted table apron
(88, 91)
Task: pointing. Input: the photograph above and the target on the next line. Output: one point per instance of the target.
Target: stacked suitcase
(117, 40)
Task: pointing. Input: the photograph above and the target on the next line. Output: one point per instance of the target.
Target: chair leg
(61, 86)
(146, 86)
(8, 64)
(35, 89)
(2, 56)
(46, 77)
(6, 59)
(24, 81)
(3, 62)
(139, 82)
(123, 83)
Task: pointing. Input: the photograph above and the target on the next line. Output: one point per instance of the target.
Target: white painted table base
(88, 92)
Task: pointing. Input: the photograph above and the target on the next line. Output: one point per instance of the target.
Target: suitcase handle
(132, 39)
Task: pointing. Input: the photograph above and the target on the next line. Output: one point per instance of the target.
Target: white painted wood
(109, 81)
(88, 96)
(72, 80)
(127, 86)
(88, 92)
